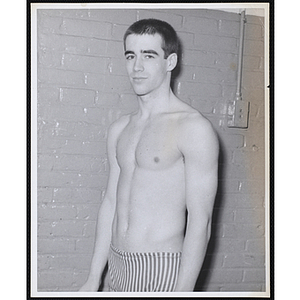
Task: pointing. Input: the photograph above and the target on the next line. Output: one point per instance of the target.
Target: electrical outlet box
(238, 114)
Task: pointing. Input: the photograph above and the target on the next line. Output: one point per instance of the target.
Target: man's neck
(151, 105)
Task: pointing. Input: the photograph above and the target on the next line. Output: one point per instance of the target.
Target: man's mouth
(138, 79)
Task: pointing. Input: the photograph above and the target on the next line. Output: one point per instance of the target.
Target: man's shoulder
(192, 119)
(195, 129)
(120, 123)
(118, 126)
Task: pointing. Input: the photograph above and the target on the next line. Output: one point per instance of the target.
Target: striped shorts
(142, 272)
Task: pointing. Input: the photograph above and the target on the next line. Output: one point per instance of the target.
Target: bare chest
(151, 146)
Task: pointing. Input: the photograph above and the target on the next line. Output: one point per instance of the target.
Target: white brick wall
(83, 88)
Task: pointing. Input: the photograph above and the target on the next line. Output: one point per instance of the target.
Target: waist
(127, 254)
(138, 237)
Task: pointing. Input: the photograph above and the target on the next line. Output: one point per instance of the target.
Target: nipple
(156, 159)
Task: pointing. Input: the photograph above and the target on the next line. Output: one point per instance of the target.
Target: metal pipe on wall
(238, 111)
(240, 58)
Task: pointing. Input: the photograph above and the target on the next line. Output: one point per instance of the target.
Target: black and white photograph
(150, 150)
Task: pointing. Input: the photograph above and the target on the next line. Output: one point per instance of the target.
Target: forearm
(193, 254)
(102, 243)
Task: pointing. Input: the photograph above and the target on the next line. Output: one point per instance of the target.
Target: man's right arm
(105, 215)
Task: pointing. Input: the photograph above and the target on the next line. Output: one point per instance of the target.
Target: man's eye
(129, 57)
(149, 56)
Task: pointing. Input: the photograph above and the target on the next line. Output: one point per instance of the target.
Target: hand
(89, 287)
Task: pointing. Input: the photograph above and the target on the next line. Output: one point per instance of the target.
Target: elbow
(200, 226)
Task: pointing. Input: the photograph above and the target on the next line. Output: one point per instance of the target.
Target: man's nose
(138, 65)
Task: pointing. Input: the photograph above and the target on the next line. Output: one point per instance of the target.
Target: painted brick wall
(83, 88)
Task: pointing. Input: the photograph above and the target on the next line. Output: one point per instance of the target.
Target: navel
(156, 159)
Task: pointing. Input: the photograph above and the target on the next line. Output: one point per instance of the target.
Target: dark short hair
(169, 36)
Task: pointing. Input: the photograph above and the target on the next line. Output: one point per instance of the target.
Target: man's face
(146, 66)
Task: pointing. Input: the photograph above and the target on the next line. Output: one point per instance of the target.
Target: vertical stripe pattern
(143, 272)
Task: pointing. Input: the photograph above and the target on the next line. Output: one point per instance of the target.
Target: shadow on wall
(203, 277)
(103, 286)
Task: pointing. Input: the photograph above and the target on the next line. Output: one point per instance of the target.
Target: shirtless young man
(163, 162)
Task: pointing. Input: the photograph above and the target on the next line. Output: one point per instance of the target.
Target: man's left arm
(199, 145)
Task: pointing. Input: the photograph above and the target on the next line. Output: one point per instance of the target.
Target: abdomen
(150, 214)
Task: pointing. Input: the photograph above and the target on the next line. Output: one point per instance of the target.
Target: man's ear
(172, 61)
